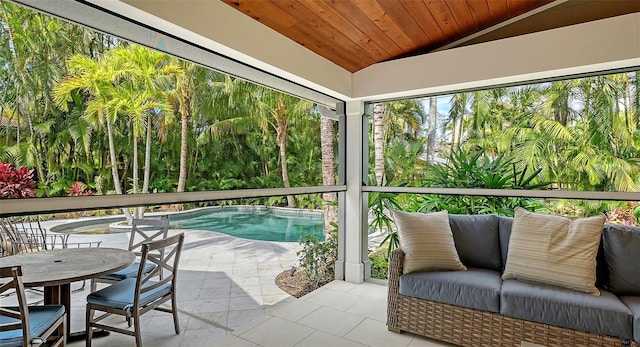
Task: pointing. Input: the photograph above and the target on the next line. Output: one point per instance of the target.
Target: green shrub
(318, 259)
(379, 264)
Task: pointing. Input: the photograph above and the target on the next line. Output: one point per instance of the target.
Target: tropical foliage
(571, 135)
(91, 114)
(576, 135)
(16, 183)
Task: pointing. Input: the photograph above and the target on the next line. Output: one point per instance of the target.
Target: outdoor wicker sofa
(477, 308)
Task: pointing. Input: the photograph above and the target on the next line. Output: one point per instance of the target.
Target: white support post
(357, 266)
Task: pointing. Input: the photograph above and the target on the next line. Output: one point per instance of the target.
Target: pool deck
(227, 297)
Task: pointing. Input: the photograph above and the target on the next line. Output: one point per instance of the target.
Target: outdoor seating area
(226, 296)
(450, 172)
(537, 278)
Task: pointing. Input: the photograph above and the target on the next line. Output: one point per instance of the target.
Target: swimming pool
(266, 225)
(249, 222)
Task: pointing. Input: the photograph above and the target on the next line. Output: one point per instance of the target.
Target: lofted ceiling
(355, 34)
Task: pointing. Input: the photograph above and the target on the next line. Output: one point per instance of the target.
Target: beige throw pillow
(427, 241)
(554, 250)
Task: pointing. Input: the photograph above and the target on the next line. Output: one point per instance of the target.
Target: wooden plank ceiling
(357, 33)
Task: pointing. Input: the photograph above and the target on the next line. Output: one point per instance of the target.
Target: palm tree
(185, 85)
(96, 79)
(281, 111)
(144, 92)
(458, 113)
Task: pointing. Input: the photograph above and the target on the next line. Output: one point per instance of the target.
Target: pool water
(254, 225)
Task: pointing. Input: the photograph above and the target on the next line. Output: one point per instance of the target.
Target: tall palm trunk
(461, 129)
(136, 176)
(328, 171)
(147, 163)
(378, 142)
(114, 168)
(147, 155)
(281, 139)
(453, 134)
(431, 138)
(185, 113)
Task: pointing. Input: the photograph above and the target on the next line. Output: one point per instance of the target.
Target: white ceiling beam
(602, 45)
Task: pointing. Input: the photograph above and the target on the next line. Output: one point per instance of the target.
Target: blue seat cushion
(129, 272)
(475, 288)
(603, 315)
(120, 294)
(633, 303)
(40, 319)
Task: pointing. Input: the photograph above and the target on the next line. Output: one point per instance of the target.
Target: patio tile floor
(227, 297)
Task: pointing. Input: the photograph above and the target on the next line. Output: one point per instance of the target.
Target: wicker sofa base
(469, 327)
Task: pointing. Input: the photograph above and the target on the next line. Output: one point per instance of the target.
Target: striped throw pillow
(427, 241)
(554, 250)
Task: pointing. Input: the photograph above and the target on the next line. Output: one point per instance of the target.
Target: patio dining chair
(29, 325)
(132, 297)
(142, 230)
(27, 235)
(21, 235)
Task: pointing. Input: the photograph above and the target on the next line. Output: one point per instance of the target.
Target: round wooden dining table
(55, 270)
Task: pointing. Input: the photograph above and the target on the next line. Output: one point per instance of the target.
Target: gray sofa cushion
(621, 247)
(504, 232)
(475, 288)
(476, 238)
(604, 314)
(633, 303)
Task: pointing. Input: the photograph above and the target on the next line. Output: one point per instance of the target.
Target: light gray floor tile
(296, 310)
(322, 339)
(374, 333)
(240, 318)
(245, 290)
(233, 341)
(270, 300)
(206, 320)
(210, 293)
(331, 321)
(368, 290)
(338, 300)
(197, 337)
(341, 286)
(245, 302)
(277, 332)
(374, 309)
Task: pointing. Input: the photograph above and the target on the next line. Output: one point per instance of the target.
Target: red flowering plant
(16, 183)
(79, 189)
